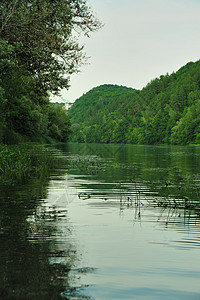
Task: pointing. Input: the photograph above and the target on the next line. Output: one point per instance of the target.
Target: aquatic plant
(18, 162)
(176, 202)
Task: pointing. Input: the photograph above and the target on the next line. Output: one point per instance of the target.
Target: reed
(18, 162)
(175, 200)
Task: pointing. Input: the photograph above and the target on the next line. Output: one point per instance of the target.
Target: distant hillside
(91, 105)
(167, 110)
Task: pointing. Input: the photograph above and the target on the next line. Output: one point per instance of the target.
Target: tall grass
(18, 162)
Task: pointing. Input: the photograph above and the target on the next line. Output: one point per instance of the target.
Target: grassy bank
(19, 162)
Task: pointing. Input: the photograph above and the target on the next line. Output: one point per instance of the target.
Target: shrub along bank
(20, 162)
(38, 53)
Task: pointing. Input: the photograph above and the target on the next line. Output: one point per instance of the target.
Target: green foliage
(96, 115)
(25, 111)
(45, 31)
(38, 53)
(167, 110)
(187, 128)
(59, 124)
(19, 162)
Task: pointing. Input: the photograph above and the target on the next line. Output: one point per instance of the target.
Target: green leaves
(45, 30)
(38, 53)
(166, 111)
(59, 124)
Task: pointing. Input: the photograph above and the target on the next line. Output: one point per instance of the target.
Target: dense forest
(166, 111)
(38, 53)
(26, 113)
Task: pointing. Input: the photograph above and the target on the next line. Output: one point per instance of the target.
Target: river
(112, 222)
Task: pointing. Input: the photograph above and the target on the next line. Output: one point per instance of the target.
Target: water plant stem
(18, 162)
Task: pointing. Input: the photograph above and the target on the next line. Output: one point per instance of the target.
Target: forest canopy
(44, 32)
(166, 111)
(39, 50)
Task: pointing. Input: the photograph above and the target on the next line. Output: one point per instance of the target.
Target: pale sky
(140, 40)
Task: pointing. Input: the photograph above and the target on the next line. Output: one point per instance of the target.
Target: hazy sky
(140, 40)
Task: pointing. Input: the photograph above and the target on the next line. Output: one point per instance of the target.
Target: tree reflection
(35, 258)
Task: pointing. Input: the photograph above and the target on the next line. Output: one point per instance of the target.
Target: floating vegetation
(84, 196)
(84, 270)
(91, 165)
(177, 194)
(174, 201)
(75, 293)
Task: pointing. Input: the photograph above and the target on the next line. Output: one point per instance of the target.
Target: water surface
(114, 222)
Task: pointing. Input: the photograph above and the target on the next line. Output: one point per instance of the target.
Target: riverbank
(22, 161)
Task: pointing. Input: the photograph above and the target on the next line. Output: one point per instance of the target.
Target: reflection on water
(114, 222)
(34, 256)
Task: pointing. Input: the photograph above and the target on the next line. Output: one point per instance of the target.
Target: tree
(59, 124)
(45, 30)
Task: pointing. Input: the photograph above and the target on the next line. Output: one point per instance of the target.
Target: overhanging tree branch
(45, 28)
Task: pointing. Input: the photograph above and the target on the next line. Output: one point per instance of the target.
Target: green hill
(167, 110)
